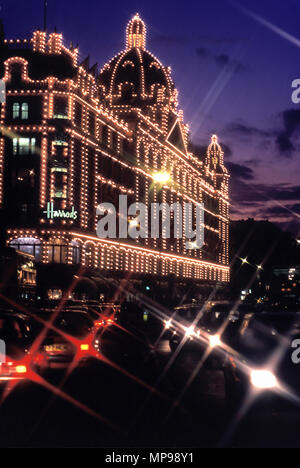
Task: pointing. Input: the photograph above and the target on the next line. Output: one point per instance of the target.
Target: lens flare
(214, 341)
(189, 331)
(263, 379)
(161, 177)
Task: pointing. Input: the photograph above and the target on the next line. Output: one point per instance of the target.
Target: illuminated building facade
(72, 137)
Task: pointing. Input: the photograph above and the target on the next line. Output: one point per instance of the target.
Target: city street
(32, 416)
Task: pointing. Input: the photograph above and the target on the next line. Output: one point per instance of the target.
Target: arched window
(57, 251)
(28, 245)
(24, 112)
(89, 255)
(16, 110)
(75, 252)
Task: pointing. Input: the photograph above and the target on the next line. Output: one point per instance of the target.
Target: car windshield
(280, 322)
(10, 329)
(262, 333)
(14, 331)
(76, 324)
(189, 314)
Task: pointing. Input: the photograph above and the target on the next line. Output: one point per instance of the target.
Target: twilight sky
(233, 63)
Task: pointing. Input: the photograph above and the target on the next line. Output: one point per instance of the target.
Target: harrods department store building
(73, 137)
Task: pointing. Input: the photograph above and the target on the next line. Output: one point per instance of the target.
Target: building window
(105, 136)
(24, 178)
(78, 114)
(75, 252)
(60, 109)
(16, 110)
(60, 139)
(28, 245)
(89, 255)
(15, 145)
(24, 146)
(115, 142)
(55, 294)
(59, 182)
(92, 124)
(57, 251)
(24, 111)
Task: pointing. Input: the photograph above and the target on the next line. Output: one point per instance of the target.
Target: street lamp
(161, 177)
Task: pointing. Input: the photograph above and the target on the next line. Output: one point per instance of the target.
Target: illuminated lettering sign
(60, 214)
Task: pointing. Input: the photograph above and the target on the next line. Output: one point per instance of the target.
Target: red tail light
(84, 347)
(10, 369)
(99, 323)
(21, 369)
(103, 322)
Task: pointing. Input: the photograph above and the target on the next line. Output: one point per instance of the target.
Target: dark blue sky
(233, 74)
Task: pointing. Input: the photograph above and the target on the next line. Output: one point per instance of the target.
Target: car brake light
(99, 323)
(84, 347)
(21, 369)
(104, 322)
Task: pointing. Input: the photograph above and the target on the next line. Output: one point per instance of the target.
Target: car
(67, 339)
(224, 319)
(98, 311)
(216, 319)
(208, 327)
(102, 312)
(94, 309)
(183, 323)
(130, 337)
(262, 360)
(15, 333)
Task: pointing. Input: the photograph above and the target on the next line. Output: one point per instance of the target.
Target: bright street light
(161, 177)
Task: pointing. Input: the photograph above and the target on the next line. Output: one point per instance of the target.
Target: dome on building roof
(135, 76)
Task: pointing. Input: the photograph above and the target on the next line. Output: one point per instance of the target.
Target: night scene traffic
(149, 227)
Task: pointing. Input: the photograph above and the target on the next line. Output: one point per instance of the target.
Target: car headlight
(214, 340)
(263, 379)
(189, 331)
(168, 324)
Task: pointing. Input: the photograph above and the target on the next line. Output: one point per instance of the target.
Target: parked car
(217, 320)
(184, 324)
(16, 336)
(263, 358)
(129, 338)
(224, 319)
(67, 339)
